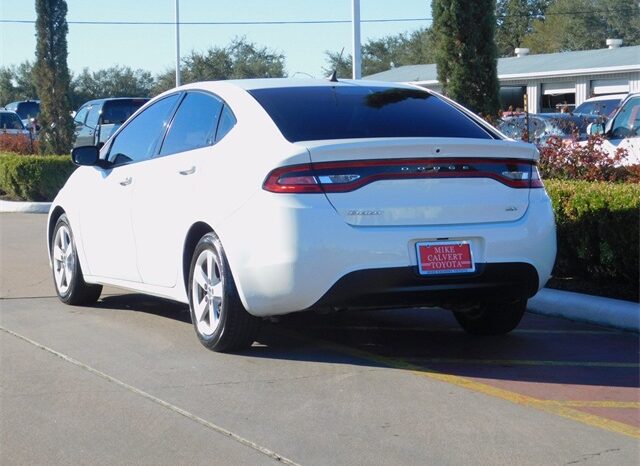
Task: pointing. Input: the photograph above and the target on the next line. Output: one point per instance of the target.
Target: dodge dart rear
(329, 195)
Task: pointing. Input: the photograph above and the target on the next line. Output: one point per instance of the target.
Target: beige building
(550, 81)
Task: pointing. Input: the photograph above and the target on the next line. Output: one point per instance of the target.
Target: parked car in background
(622, 131)
(253, 198)
(28, 110)
(97, 120)
(11, 124)
(604, 105)
(542, 126)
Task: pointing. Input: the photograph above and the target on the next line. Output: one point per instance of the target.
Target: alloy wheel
(206, 292)
(64, 258)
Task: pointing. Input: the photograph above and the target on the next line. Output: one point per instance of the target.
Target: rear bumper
(403, 286)
(306, 256)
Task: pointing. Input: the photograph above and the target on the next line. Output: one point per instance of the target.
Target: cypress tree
(52, 77)
(466, 53)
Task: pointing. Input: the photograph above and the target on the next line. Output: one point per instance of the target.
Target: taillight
(292, 179)
(337, 177)
(536, 180)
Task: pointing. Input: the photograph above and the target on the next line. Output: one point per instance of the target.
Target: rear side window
(227, 122)
(194, 125)
(344, 112)
(116, 112)
(138, 139)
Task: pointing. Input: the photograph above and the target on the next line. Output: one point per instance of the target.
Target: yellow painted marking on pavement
(593, 404)
(459, 330)
(529, 362)
(517, 398)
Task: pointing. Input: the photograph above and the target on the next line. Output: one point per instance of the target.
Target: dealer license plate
(444, 257)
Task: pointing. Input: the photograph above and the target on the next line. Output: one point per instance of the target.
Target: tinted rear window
(344, 112)
(116, 112)
(28, 109)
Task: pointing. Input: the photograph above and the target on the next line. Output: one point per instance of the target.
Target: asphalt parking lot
(127, 381)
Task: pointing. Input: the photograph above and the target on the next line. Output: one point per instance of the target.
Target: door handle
(126, 182)
(189, 171)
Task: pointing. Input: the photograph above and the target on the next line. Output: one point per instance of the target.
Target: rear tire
(219, 318)
(492, 318)
(67, 273)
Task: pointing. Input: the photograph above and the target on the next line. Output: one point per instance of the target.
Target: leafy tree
(117, 81)
(240, 59)
(52, 77)
(585, 24)
(514, 20)
(382, 54)
(466, 54)
(342, 64)
(17, 83)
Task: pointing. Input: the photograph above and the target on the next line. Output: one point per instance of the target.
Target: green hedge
(598, 230)
(598, 223)
(33, 177)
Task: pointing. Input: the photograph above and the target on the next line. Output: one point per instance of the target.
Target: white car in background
(622, 130)
(248, 199)
(604, 105)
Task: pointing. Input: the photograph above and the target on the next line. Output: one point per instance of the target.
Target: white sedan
(248, 199)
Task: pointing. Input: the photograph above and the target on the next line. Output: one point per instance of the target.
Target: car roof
(606, 97)
(275, 83)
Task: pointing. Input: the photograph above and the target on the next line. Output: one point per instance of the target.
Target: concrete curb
(586, 308)
(25, 207)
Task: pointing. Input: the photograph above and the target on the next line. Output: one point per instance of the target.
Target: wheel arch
(56, 213)
(197, 231)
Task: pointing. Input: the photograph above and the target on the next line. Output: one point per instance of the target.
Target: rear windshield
(116, 112)
(28, 109)
(345, 112)
(10, 121)
(598, 107)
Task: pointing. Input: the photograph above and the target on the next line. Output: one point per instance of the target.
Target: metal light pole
(178, 43)
(357, 56)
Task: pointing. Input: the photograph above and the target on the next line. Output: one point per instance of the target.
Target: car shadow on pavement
(542, 349)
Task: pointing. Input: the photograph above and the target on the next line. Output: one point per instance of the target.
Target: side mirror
(85, 155)
(595, 129)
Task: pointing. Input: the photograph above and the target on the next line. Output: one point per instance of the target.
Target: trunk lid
(424, 181)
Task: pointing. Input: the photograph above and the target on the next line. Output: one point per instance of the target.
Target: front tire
(67, 273)
(219, 318)
(492, 318)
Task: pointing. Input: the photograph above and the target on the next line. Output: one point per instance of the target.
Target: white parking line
(165, 404)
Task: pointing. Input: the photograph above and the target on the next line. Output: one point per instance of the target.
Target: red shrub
(18, 144)
(583, 161)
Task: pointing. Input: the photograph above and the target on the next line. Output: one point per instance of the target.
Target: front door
(107, 223)
(107, 235)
